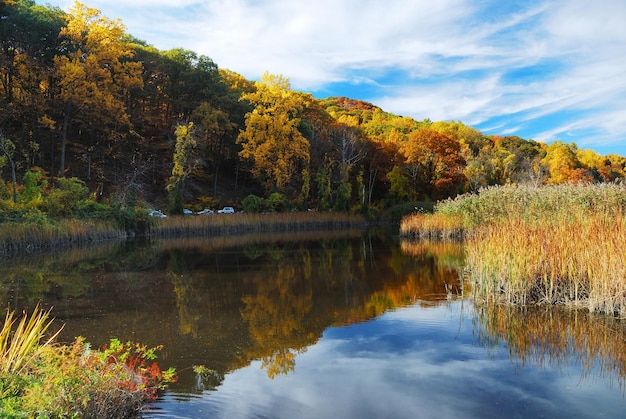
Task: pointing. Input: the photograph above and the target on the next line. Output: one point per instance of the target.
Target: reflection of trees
(225, 301)
(291, 300)
(69, 274)
(187, 298)
(277, 313)
(424, 272)
(448, 254)
(555, 336)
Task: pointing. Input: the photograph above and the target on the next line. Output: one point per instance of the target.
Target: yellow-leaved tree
(95, 75)
(185, 162)
(272, 141)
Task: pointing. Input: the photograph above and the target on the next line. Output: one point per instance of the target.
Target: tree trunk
(217, 167)
(66, 123)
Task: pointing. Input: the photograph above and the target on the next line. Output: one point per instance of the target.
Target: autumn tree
(215, 129)
(272, 141)
(562, 162)
(95, 75)
(434, 163)
(28, 42)
(602, 168)
(185, 162)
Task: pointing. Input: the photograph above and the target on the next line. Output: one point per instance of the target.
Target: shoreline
(33, 239)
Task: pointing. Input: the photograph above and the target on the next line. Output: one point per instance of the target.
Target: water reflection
(268, 301)
(553, 338)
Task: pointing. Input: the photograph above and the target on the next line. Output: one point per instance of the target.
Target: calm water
(326, 326)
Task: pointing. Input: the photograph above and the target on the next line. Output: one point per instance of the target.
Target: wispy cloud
(540, 69)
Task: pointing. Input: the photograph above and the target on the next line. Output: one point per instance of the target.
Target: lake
(326, 325)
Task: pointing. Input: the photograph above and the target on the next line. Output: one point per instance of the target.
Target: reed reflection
(545, 336)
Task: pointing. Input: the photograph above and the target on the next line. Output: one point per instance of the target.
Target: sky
(544, 70)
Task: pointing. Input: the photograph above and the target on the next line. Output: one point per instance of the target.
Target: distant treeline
(81, 98)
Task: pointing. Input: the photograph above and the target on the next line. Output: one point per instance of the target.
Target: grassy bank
(223, 224)
(26, 237)
(548, 245)
(41, 378)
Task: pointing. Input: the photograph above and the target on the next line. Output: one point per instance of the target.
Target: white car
(226, 210)
(156, 213)
(205, 211)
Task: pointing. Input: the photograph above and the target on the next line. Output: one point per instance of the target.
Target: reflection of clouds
(411, 363)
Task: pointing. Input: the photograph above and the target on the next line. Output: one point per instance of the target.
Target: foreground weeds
(52, 380)
(550, 245)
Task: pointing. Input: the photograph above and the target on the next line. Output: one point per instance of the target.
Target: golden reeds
(28, 237)
(432, 227)
(188, 226)
(579, 262)
(562, 244)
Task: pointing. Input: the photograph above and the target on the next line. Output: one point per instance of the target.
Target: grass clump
(53, 380)
(559, 244)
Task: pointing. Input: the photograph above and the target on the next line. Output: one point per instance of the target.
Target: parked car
(226, 210)
(205, 211)
(156, 213)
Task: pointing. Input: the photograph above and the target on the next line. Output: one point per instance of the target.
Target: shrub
(63, 201)
(276, 202)
(50, 380)
(252, 204)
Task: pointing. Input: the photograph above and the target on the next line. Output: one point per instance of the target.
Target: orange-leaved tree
(434, 163)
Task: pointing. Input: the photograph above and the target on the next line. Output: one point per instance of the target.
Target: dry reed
(432, 227)
(560, 244)
(29, 237)
(220, 224)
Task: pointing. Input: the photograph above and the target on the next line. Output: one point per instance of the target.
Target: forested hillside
(82, 99)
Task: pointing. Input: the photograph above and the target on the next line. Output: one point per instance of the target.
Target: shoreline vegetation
(213, 225)
(42, 378)
(26, 237)
(561, 244)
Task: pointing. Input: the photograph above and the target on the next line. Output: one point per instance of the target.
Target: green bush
(252, 204)
(64, 200)
(276, 202)
(5, 194)
(342, 197)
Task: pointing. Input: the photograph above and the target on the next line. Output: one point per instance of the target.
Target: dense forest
(87, 108)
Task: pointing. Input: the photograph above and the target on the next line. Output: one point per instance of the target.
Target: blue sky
(540, 69)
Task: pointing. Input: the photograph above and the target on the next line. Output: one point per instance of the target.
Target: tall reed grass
(433, 227)
(19, 346)
(29, 237)
(561, 244)
(188, 226)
